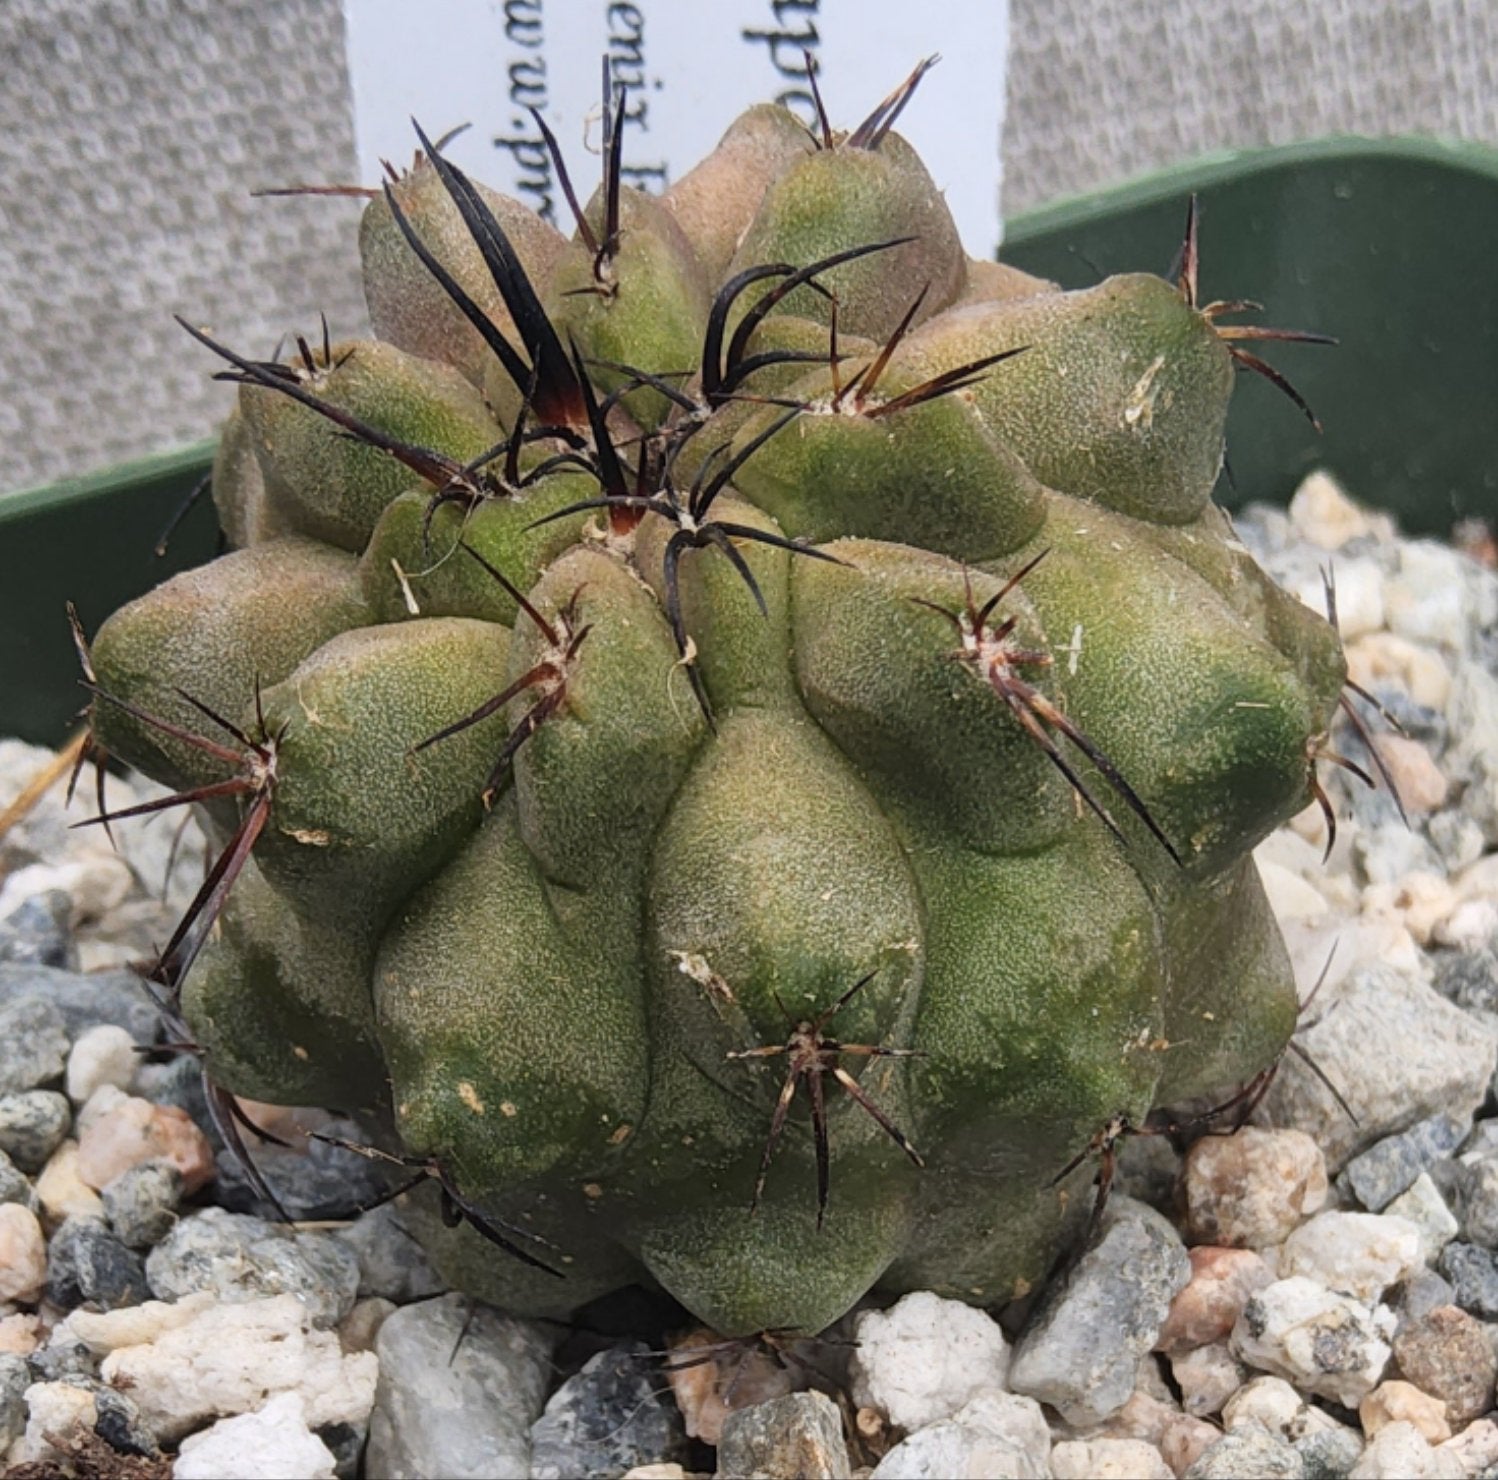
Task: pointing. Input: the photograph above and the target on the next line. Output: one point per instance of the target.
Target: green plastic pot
(1385, 243)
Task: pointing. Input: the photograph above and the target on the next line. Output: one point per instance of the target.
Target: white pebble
(1109, 1459)
(101, 1055)
(229, 1358)
(1360, 1254)
(1275, 1406)
(1475, 1449)
(103, 1331)
(96, 882)
(272, 1444)
(1468, 926)
(1420, 671)
(1402, 1452)
(1423, 1206)
(1360, 596)
(924, 1358)
(1207, 1377)
(997, 1434)
(1321, 512)
(1479, 879)
(1422, 900)
(1472, 713)
(1290, 896)
(1321, 1341)
(23, 1254)
(1427, 600)
(56, 1414)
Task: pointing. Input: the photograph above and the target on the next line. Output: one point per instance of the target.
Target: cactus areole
(734, 738)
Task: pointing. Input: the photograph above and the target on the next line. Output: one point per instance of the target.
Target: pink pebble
(134, 1130)
(1205, 1311)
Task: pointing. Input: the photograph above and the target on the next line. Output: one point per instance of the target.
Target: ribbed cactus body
(751, 828)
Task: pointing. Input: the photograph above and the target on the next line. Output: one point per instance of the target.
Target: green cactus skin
(407, 308)
(847, 752)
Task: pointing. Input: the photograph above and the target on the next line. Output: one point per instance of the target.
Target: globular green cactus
(735, 739)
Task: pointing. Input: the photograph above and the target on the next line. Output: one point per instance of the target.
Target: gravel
(87, 1263)
(1079, 1364)
(33, 1125)
(141, 1203)
(1391, 1166)
(799, 1434)
(1316, 1295)
(38, 932)
(240, 1258)
(451, 1406)
(607, 1419)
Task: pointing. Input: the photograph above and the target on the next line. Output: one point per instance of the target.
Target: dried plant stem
(44, 780)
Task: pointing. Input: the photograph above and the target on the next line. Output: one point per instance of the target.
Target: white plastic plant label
(689, 67)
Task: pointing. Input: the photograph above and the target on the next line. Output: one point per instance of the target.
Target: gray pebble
(1456, 837)
(1422, 1293)
(83, 1000)
(243, 1258)
(1265, 530)
(15, 1378)
(1447, 1176)
(33, 1044)
(120, 1424)
(178, 1082)
(118, 1420)
(1385, 851)
(88, 1265)
(1476, 1202)
(392, 1264)
(1482, 1142)
(14, 1185)
(311, 1179)
(800, 1434)
(1397, 1050)
(39, 932)
(1469, 978)
(445, 1407)
(1391, 1166)
(609, 1418)
(345, 1442)
(33, 1125)
(1246, 1455)
(64, 1360)
(1419, 721)
(1081, 1352)
(1149, 1170)
(141, 1203)
(1329, 1454)
(1474, 1278)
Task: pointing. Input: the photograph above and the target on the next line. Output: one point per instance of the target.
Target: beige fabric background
(1102, 89)
(131, 132)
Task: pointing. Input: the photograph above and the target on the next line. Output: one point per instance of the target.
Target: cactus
(734, 739)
